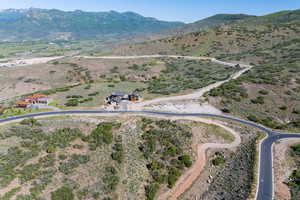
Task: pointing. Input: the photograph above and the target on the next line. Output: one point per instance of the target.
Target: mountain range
(34, 23)
(53, 24)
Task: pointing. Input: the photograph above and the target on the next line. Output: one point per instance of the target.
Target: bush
(252, 118)
(111, 179)
(30, 122)
(72, 103)
(51, 149)
(76, 160)
(295, 150)
(29, 172)
(102, 134)
(283, 107)
(48, 160)
(63, 193)
(173, 176)
(225, 110)
(117, 156)
(186, 160)
(8, 195)
(295, 111)
(263, 92)
(258, 100)
(218, 161)
(151, 191)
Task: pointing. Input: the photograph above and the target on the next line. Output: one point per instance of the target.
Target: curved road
(265, 187)
(164, 56)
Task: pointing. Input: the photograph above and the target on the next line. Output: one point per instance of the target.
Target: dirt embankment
(283, 166)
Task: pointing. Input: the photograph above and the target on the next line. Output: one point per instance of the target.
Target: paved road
(163, 56)
(265, 188)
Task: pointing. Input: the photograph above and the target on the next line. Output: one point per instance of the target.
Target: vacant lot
(270, 92)
(98, 158)
(86, 82)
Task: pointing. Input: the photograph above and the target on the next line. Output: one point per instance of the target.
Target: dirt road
(29, 61)
(187, 179)
(195, 95)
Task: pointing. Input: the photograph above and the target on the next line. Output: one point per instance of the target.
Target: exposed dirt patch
(283, 167)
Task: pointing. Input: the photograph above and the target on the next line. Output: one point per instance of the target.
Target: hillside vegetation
(216, 20)
(294, 179)
(269, 93)
(97, 158)
(281, 17)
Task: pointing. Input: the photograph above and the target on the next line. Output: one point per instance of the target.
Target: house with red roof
(36, 101)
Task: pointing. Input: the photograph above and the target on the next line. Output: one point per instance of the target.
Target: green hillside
(274, 18)
(216, 20)
(270, 92)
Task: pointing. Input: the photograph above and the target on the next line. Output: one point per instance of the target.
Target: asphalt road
(265, 188)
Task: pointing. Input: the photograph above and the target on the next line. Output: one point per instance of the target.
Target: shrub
(173, 176)
(51, 149)
(252, 118)
(111, 182)
(295, 150)
(225, 110)
(102, 134)
(294, 184)
(296, 123)
(29, 172)
(48, 160)
(151, 191)
(218, 161)
(63, 193)
(258, 100)
(8, 195)
(30, 122)
(87, 87)
(72, 102)
(76, 160)
(186, 160)
(263, 92)
(117, 156)
(62, 157)
(283, 107)
(62, 138)
(295, 111)
(94, 94)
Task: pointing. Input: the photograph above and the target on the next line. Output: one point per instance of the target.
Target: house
(35, 101)
(117, 97)
(22, 104)
(134, 97)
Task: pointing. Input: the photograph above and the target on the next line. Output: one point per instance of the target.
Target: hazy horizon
(168, 10)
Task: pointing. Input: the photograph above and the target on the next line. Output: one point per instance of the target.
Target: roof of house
(118, 94)
(37, 96)
(135, 94)
(22, 103)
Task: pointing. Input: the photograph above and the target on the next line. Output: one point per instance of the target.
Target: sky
(169, 10)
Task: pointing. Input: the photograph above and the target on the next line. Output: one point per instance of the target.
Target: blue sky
(171, 10)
